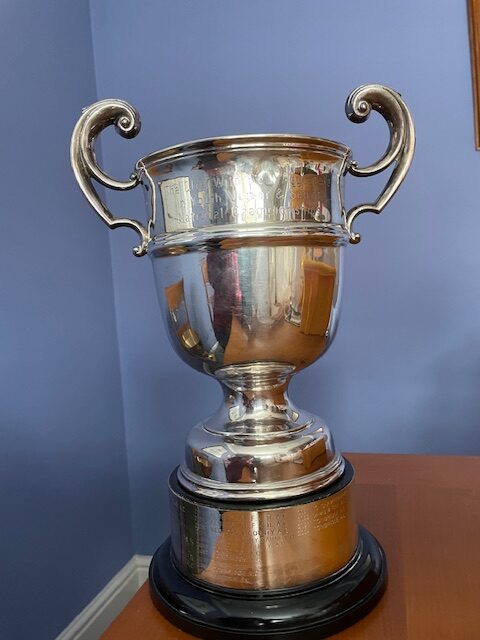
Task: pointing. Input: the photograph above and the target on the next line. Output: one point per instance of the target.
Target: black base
(313, 612)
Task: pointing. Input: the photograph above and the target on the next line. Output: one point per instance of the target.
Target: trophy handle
(400, 147)
(94, 120)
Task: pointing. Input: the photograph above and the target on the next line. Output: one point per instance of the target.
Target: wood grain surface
(426, 512)
(474, 31)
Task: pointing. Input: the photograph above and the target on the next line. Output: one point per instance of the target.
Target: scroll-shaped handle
(400, 148)
(82, 156)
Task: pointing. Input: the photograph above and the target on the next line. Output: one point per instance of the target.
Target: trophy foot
(314, 611)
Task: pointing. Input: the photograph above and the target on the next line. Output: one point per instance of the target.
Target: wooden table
(426, 512)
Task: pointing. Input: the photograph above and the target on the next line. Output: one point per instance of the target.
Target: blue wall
(64, 498)
(404, 372)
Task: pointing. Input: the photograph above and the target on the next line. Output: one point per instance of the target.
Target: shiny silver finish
(258, 445)
(246, 235)
(263, 547)
(400, 149)
(82, 157)
(225, 189)
(252, 317)
(244, 186)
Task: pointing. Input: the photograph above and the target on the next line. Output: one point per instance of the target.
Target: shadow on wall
(453, 401)
(156, 444)
(432, 409)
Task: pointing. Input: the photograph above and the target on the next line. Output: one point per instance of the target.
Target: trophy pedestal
(215, 580)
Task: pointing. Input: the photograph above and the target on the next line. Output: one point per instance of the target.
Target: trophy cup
(246, 236)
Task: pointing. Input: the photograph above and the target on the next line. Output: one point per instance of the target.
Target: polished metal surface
(248, 189)
(220, 186)
(401, 146)
(84, 164)
(252, 317)
(263, 548)
(246, 235)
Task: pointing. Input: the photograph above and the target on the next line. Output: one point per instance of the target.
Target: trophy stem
(258, 445)
(256, 401)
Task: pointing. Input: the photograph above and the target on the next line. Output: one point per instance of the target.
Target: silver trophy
(246, 236)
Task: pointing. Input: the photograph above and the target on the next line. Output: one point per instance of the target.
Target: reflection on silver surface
(266, 303)
(252, 317)
(246, 235)
(243, 180)
(260, 180)
(263, 548)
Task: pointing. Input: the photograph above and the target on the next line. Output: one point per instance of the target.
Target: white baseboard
(103, 609)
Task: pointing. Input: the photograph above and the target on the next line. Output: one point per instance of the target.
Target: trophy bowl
(246, 237)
